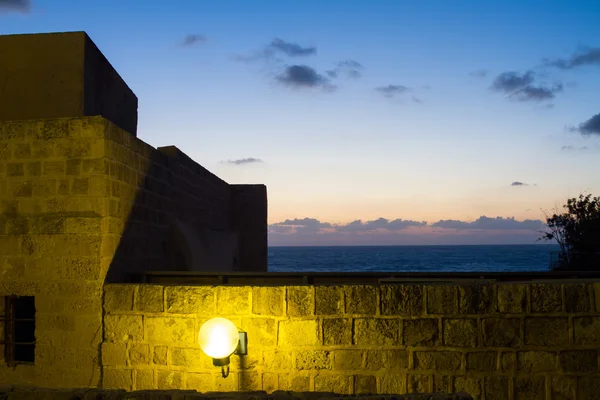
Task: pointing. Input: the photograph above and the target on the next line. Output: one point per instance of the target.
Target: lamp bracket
(242, 348)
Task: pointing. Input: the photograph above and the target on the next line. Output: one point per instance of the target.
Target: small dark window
(17, 329)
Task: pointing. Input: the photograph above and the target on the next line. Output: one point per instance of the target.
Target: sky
(371, 122)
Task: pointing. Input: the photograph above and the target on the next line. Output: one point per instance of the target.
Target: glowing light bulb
(218, 338)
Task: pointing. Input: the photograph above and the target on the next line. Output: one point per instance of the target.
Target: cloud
(15, 5)
(392, 90)
(194, 39)
(480, 73)
(486, 223)
(517, 183)
(291, 49)
(349, 68)
(521, 88)
(277, 46)
(305, 225)
(243, 161)
(589, 127)
(585, 57)
(303, 76)
(380, 223)
(572, 148)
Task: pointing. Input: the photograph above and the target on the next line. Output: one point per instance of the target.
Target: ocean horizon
(413, 258)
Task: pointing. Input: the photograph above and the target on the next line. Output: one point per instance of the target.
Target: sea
(484, 258)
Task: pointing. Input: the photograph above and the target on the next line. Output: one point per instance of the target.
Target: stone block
(386, 359)
(392, 384)
(123, 328)
(233, 300)
(117, 379)
(159, 356)
(300, 301)
(579, 361)
(229, 384)
(502, 332)
(337, 331)
(118, 298)
(440, 361)
(530, 388)
(421, 332)
(469, 385)
(295, 333)
(169, 380)
(588, 387)
(377, 332)
(406, 300)
(139, 354)
(199, 300)
(312, 360)
(275, 360)
(190, 358)
(481, 361)
(360, 299)
(418, 383)
(200, 382)
(546, 331)
(54, 168)
(329, 300)
(348, 360)
(249, 381)
(149, 298)
(15, 169)
(21, 188)
(563, 387)
(83, 225)
(512, 298)
(365, 384)
(114, 354)
(294, 382)
(546, 298)
(508, 361)
(163, 330)
(476, 299)
(536, 361)
(577, 298)
(339, 384)
(496, 387)
(261, 331)
(268, 300)
(460, 332)
(442, 383)
(586, 330)
(270, 382)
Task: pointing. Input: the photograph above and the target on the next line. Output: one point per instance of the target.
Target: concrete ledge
(15, 393)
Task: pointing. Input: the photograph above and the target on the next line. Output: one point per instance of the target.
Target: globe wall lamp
(219, 338)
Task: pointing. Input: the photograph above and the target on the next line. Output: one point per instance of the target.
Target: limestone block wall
(498, 341)
(51, 244)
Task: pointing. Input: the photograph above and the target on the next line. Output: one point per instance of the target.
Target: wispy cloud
(278, 47)
(518, 183)
(486, 223)
(348, 68)
(573, 148)
(15, 5)
(392, 90)
(589, 127)
(193, 39)
(243, 161)
(520, 87)
(291, 49)
(584, 57)
(480, 73)
(302, 76)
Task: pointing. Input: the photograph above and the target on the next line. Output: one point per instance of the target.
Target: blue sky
(414, 112)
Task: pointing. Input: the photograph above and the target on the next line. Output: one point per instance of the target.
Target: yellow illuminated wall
(494, 339)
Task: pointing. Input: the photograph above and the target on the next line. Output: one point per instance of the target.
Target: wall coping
(364, 278)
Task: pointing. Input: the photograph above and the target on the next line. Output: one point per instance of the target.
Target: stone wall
(500, 341)
(82, 200)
